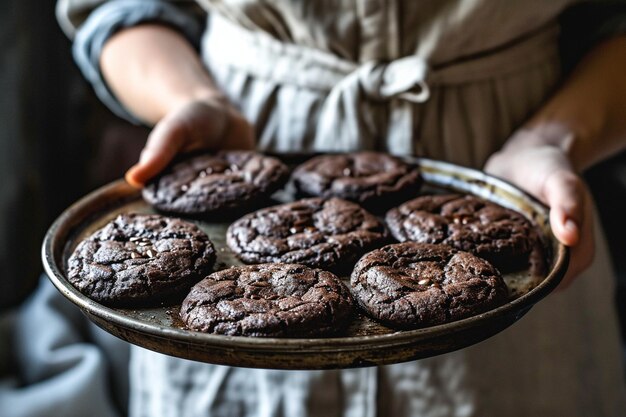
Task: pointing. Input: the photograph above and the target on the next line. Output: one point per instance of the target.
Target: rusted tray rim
(406, 337)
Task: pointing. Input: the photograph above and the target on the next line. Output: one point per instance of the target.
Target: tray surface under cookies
(363, 343)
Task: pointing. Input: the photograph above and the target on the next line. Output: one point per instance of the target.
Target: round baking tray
(364, 343)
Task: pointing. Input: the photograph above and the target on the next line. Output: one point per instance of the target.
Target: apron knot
(346, 124)
(403, 78)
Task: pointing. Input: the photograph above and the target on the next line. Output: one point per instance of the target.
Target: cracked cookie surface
(411, 285)
(139, 259)
(372, 179)
(502, 236)
(208, 183)
(322, 233)
(268, 300)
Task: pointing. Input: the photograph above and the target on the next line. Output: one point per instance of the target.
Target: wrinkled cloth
(381, 57)
(66, 366)
(445, 79)
(401, 106)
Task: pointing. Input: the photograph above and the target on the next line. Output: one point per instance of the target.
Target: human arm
(153, 67)
(158, 76)
(581, 124)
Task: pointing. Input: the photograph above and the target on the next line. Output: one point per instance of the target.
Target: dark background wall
(51, 129)
(608, 184)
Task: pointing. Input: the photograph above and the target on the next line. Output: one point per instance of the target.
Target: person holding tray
(516, 88)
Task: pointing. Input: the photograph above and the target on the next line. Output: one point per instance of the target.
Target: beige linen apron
(301, 98)
(562, 359)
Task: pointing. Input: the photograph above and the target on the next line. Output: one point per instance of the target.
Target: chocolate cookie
(502, 236)
(138, 259)
(205, 184)
(375, 180)
(412, 285)
(323, 233)
(268, 300)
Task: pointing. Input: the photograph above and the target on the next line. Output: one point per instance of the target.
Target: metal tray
(364, 343)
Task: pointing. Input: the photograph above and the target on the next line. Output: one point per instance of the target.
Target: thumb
(564, 192)
(164, 142)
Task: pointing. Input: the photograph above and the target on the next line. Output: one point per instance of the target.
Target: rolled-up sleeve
(92, 23)
(587, 23)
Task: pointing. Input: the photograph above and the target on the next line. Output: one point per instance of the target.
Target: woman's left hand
(532, 162)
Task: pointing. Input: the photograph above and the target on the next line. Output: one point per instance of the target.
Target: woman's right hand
(158, 76)
(200, 124)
